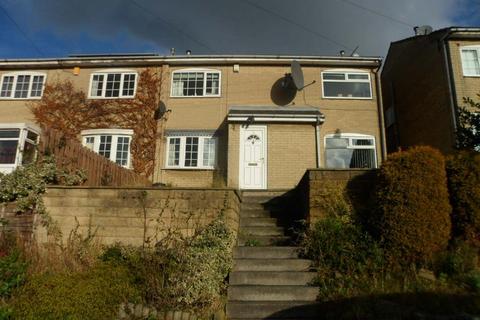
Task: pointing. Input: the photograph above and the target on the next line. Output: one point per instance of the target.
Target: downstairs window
(344, 151)
(113, 144)
(193, 151)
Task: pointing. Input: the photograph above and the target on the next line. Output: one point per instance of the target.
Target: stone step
(272, 265)
(265, 252)
(254, 213)
(272, 293)
(262, 231)
(264, 278)
(272, 310)
(268, 193)
(260, 199)
(258, 222)
(251, 205)
(256, 240)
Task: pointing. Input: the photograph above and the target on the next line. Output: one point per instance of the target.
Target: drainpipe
(317, 141)
(383, 143)
(451, 86)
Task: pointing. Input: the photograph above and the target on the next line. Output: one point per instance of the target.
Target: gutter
(187, 60)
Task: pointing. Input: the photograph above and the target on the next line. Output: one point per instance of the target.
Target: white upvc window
(342, 84)
(350, 150)
(196, 83)
(113, 144)
(22, 85)
(18, 145)
(470, 61)
(113, 84)
(192, 151)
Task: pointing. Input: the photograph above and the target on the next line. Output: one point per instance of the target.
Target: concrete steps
(268, 278)
(272, 310)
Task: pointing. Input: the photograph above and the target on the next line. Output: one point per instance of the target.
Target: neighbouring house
(424, 81)
(235, 121)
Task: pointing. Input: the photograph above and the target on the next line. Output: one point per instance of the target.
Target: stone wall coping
(235, 191)
(342, 170)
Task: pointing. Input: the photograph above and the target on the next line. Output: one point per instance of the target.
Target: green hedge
(412, 214)
(463, 171)
(93, 294)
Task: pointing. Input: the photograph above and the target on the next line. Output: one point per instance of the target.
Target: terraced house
(425, 78)
(237, 121)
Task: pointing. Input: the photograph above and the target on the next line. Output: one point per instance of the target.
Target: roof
(447, 32)
(151, 59)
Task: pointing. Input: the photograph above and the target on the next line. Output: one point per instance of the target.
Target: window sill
(190, 97)
(12, 99)
(471, 75)
(111, 98)
(188, 169)
(348, 98)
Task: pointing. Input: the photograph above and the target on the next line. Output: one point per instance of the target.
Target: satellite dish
(297, 75)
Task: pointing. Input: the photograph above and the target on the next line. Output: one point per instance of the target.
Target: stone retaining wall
(10, 221)
(132, 215)
(312, 189)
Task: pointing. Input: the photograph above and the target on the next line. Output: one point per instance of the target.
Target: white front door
(253, 157)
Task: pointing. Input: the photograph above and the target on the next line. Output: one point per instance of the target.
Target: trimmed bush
(348, 261)
(412, 214)
(463, 172)
(93, 294)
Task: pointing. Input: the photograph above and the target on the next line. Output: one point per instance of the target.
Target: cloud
(236, 26)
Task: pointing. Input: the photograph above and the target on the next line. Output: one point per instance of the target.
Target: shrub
(184, 274)
(412, 214)
(461, 258)
(25, 184)
(349, 262)
(93, 294)
(12, 272)
(463, 172)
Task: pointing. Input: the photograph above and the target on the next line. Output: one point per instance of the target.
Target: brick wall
(314, 186)
(118, 214)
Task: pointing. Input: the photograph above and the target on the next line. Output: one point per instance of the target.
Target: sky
(58, 28)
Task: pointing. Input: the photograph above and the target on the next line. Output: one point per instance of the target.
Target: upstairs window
(113, 144)
(346, 85)
(345, 151)
(471, 61)
(195, 83)
(191, 151)
(23, 85)
(113, 84)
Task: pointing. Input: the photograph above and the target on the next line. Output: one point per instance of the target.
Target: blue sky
(57, 28)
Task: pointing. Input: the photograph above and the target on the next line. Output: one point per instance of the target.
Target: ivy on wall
(67, 108)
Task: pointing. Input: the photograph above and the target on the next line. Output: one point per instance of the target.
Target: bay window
(113, 144)
(191, 151)
(344, 151)
(18, 145)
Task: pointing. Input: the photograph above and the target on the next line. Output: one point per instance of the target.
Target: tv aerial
(296, 77)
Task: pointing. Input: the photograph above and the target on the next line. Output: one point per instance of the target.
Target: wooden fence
(100, 171)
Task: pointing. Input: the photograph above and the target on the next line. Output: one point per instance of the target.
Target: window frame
(466, 48)
(351, 136)
(205, 72)
(347, 72)
(22, 139)
(15, 76)
(115, 134)
(105, 73)
(200, 158)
